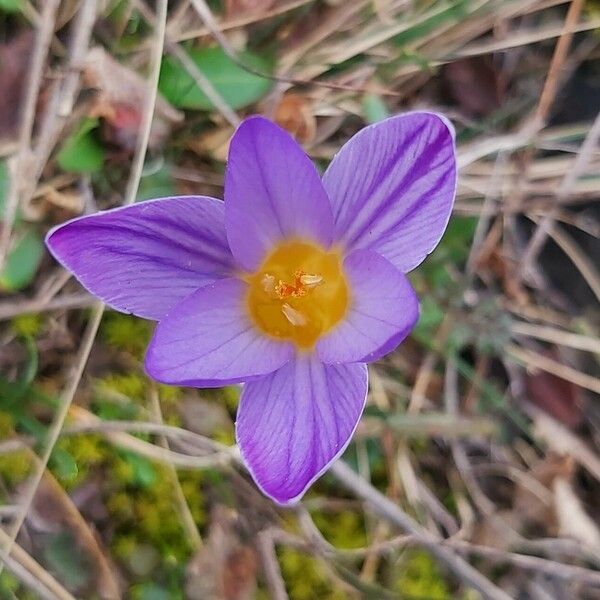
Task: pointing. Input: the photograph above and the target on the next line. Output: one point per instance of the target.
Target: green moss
(146, 512)
(306, 579)
(420, 577)
(231, 397)
(27, 325)
(169, 394)
(7, 425)
(15, 467)
(8, 584)
(131, 385)
(344, 530)
(126, 333)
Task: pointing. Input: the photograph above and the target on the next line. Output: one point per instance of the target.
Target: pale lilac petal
(292, 424)
(384, 308)
(144, 258)
(272, 191)
(207, 340)
(392, 187)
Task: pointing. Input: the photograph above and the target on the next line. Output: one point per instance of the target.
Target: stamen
(295, 317)
(268, 284)
(310, 281)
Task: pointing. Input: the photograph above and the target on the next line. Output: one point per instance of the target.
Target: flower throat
(298, 293)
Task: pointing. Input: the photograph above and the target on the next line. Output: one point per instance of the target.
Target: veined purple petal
(292, 424)
(144, 258)
(392, 187)
(272, 191)
(207, 340)
(384, 308)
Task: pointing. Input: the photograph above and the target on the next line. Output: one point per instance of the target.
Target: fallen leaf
(15, 56)
(495, 262)
(237, 86)
(238, 8)
(476, 84)
(558, 397)
(121, 96)
(81, 152)
(225, 568)
(533, 499)
(573, 520)
(295, 115)
(54, 511)
(214, 143)
(22, 262)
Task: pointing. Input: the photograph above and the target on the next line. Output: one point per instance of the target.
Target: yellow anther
(310, 281)
(268, 284)
(295, 317)
(298, 293)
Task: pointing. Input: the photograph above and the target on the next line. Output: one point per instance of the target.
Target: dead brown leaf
(294, 114)
(533, 500)
(495, 262)
(121, 96)
(558, 397)
(476, 84)
(225, 569)
(214, 143)
(573, 520)
(52, 510)
(14, 62)
(237, 8)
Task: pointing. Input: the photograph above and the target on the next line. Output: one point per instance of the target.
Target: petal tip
(285, 470)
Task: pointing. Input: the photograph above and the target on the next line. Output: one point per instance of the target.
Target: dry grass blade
(37, 572)
(184, 510)
(11, 309)
(586, 267)
(544, 227)
(278, 9)
(384, 507)
(532, 359)
(195, 73)
(94, 323)
(557, 336)
(524, 38)
(36, 72)
(56, 426)
(271, 569)
(30, 580)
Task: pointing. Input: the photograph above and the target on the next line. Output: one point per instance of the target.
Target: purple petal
(384, 309)
(144, 258)
(293, 424)
(392, 187)
(272, 191)
(207, 340)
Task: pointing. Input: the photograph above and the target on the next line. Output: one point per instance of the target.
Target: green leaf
(65, 560)
(4, 183)
(22, 262)
(150, 591)
(431, 316)
(4, 187)
(64, 465)
(143, 471)
(159, 184)
(10, 6)
(81, 151)
(234, 84)
(374, 108)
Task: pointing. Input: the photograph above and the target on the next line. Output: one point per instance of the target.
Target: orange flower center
(298, 293)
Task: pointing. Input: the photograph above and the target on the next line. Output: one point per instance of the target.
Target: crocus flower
(290, 286)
